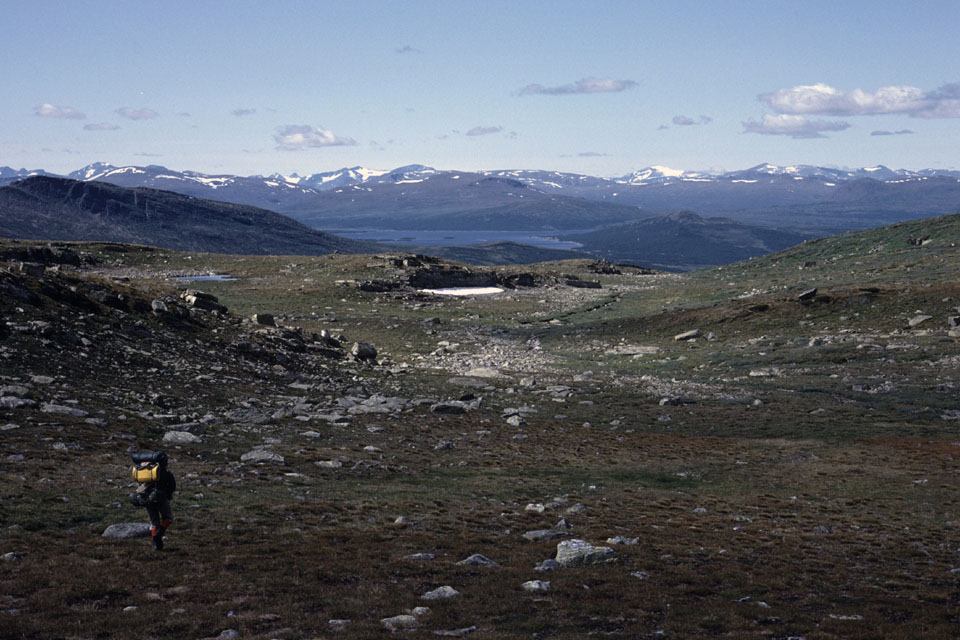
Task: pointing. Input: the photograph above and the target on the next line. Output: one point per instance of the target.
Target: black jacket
(166, 483)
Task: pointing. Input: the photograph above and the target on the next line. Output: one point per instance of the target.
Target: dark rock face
(451, 276)
(41, 255)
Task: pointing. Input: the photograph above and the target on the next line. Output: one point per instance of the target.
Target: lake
(455, 238)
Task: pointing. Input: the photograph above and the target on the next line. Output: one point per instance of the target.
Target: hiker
(156, 488)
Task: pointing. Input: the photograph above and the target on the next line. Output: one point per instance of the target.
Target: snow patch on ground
(464, 291)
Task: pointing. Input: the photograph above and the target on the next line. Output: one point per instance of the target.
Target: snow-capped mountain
(659, 175)
(331, 179)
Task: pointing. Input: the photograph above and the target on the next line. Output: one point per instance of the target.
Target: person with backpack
(154, 492)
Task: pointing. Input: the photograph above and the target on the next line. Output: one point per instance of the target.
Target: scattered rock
(676, 401)
(483, 372)
(517, 420)
(13, 402)
(265, 319)
(917, 320)
(623, 540)
(64, 410)
(400, 623)
(477, 560)
(456, 633)
(547, 565)
(363, 351)
(545, 534)
(578, 553)
(449, 408)
(203, 301)
(809, 294)
(687, 335)
(258, 456)
(180, 437)
(536, 586)
(441, 593)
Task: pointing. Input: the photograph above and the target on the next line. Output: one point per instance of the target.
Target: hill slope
(684, 241)
(450, 200)
(45, 208)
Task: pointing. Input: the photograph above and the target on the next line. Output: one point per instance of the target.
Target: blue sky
(602, 88)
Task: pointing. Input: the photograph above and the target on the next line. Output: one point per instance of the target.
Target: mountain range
(775, 205)
(389, 199)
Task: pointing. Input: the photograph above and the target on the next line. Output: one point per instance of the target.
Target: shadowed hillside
(685, 241)
(45, 208)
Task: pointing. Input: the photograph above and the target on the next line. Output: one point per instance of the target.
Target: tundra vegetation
(763, 449)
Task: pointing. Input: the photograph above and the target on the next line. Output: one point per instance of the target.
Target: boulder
(477, 560)
(579, 553)
(441, 593)
(61, 409)
(363, 351)
(917, 320)
(259, 456)
(124, 530)
(536, 586)
(201, 300)
(545, 534)
(454, 407)
(265, 319)
(180, 437)
(687, 335)
(13, 402)
(399, 623)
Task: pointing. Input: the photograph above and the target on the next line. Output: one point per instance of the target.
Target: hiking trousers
(160, 513)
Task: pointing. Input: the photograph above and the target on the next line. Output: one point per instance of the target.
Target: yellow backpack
(147, 472)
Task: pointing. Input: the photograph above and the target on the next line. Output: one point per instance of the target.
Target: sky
(600, 88)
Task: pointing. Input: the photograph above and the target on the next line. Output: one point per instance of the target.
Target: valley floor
(788, 468)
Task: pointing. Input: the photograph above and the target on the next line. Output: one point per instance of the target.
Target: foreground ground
(789, 471)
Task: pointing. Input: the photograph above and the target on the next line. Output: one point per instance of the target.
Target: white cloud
(407, 49)
(243, 112)
(47, 110)
(822, 99)
(137, 114)
(103, 126)
(294, 137)
(484, 131)
(901, 132)
(793, 126)
(684, 121)
(587, 85)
